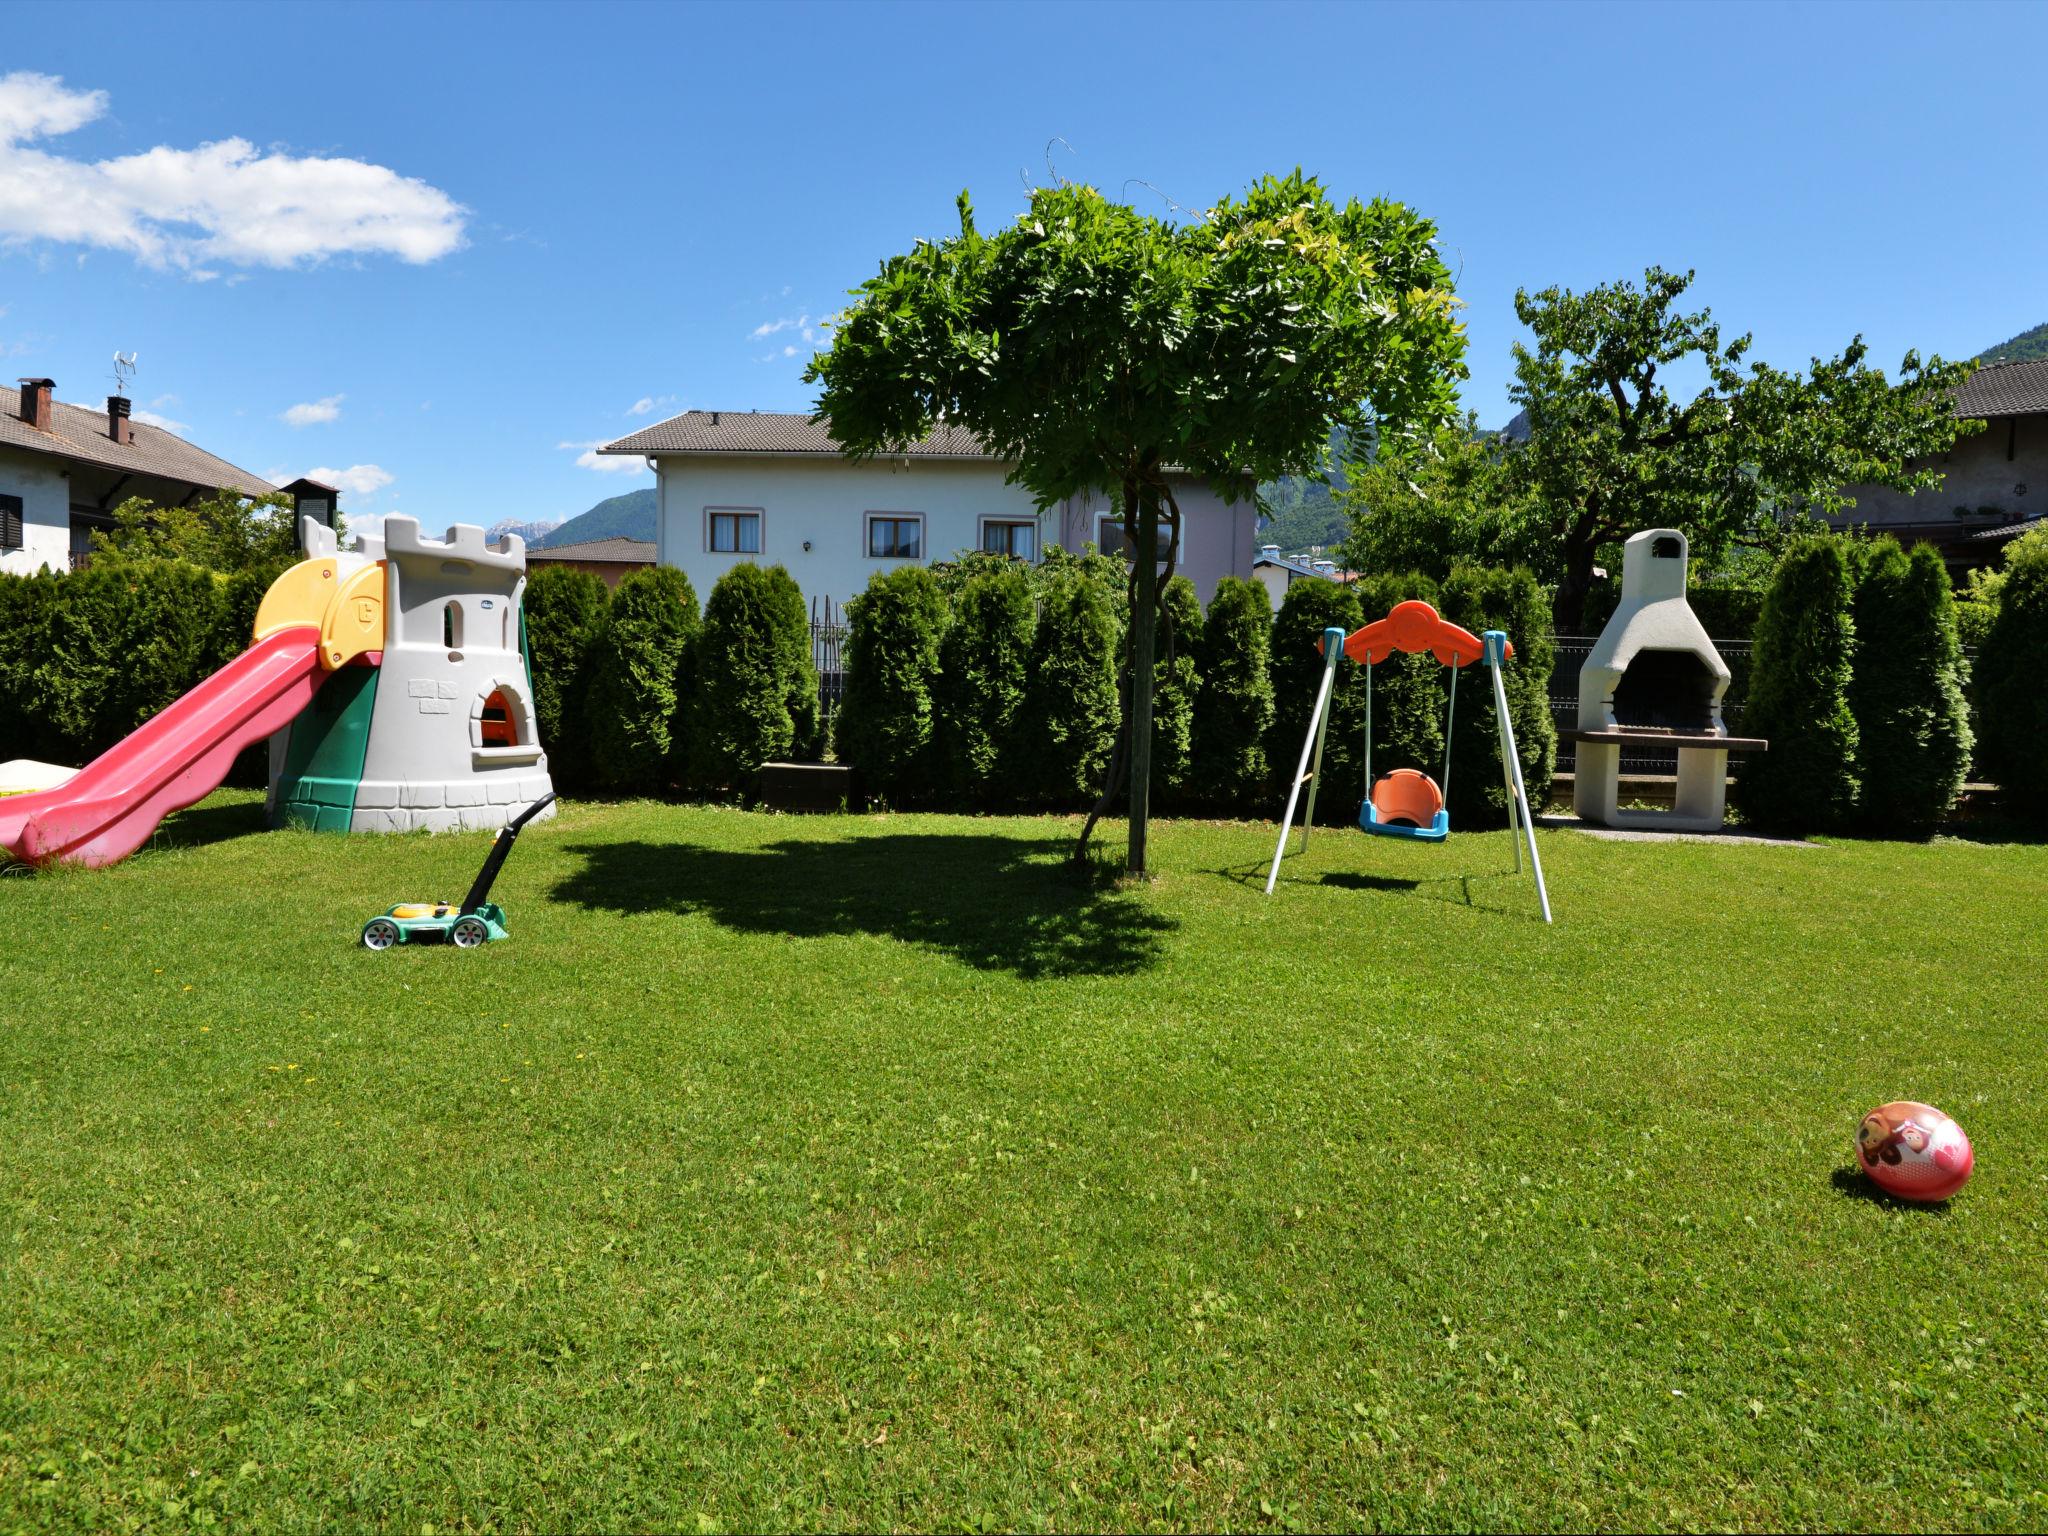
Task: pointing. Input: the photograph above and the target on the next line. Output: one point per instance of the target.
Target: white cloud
(610, 464)
(770, 327)
(647, 403)
(357, 479)
(313, 412)
(225, 202)
(151, 419)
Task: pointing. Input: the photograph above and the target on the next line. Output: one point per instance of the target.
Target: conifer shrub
(1799, 696)
(1071, 710)
(634, 719)
(121, 639)
(1311, 606)
(1407, 690)
(798, 667)
(26, 603)
(752, 693)
(888, 719)
(1176, 689)
(1907, 692)
(2012, 699)
(1236, 713)
(985, 660)
(1480, 598)
(564, 618)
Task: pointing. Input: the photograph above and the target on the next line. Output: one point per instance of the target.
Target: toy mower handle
(530, 812)
(500, 846)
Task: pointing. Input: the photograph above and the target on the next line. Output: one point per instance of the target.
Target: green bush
(564, 617)
(887, 725)
(1906, 690)
(1176, 684)
(1071, 710)
(1311, 606)
(635, 717)
(2012, 700)
(1237, 699)
(1799, 696)
(753, 697)
(1407, 690)
(1480, 599)
(26, 603)
(985, 659)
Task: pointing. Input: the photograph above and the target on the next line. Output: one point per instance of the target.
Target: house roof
(2006, 531)
(80, 432)
(1303, 568)
(2005, 389)
(754, 433)
(621, 551)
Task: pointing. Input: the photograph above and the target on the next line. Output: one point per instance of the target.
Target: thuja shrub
(887, 725)
(752, 697)
(1071, 710)
(1176, 687)
(634, 706)
(2012, 701)
(1799, 695)
(1907, 692)
(1311, 606)
(790, 625)
(26, 603)
(1236, 713)
(564, 617)
(1480, 598)
(120, 640)
(985, 661)
(1407, 690)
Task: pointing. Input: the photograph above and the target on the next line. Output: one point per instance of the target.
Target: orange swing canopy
(1415, 626)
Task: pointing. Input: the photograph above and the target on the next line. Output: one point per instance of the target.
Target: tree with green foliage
(1310, 607)
(1098, 348)
(1612, 450)
(1230, 770)
(563, 614)
(745, 702)
(1069, 716)
(1480, 598)
(984, 662)
(224, 532)
(1799, 695)
(1430, 503)
(887, 725)
(634, 712)
(2012, 702)
(1906, 691)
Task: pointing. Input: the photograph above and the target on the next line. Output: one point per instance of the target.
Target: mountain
(2027, 347)
(630, 516)
(533, 533)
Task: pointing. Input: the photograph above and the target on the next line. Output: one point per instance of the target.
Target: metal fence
(828, 636)
(1571, 652)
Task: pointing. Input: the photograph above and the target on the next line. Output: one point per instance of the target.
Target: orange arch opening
(498, 729)
(1409, 796)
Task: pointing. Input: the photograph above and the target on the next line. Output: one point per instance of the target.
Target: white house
(750, 485)
(64, 468)
(1276, 573)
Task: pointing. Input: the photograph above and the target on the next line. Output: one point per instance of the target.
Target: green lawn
(874, 1172)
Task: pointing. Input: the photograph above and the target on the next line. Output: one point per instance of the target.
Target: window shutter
(10, 522)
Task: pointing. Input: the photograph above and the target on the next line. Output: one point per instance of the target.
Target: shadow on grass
(203, 823)
(1453, 890)
(1851, 1183)
(992, 902)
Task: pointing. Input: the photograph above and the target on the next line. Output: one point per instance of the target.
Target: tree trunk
(1144, 621)
(1576, 585)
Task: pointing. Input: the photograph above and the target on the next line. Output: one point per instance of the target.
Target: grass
(875, 1172)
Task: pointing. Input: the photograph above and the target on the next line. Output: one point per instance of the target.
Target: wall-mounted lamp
(807, 546)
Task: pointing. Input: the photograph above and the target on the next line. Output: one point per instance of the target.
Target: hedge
(564, 616)
(1071, 710)
(1483, 598)
(1799, 696)
(887, 720)
(1310, 607)
(634, 722)
(984, 661)
(2013, 702)
(1237, 699)
(753, 697)
(1906, 691)
(1176, 685)
(1407, 691)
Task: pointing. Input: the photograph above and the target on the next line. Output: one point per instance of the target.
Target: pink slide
(177, 756)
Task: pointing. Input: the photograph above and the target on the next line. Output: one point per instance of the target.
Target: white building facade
(775, 489)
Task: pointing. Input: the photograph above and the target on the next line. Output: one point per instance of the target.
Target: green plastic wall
(323, 758)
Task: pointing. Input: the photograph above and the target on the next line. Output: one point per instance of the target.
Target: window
(734, 532)
(10, 522)
(1003, 537)
(895, 536)
(451, 626)
(1111, 540)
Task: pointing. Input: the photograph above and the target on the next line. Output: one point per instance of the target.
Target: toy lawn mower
(476, 921)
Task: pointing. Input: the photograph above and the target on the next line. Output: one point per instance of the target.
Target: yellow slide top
(348, 611)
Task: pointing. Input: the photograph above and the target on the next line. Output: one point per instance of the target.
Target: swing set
(1406, 802)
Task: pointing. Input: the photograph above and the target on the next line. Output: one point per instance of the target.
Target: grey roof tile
(2005, 389)
(80, 432)
(774, 432)
(623, 551)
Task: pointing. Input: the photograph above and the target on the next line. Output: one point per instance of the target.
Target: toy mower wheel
(380, 933)
(469, 932)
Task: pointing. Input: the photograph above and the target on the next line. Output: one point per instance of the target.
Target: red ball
(1914, 1151)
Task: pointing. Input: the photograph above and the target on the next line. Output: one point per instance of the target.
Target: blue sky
(457, 244)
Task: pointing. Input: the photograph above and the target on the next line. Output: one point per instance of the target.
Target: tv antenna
(124, 370)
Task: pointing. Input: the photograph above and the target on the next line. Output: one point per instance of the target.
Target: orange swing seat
(1406, 803)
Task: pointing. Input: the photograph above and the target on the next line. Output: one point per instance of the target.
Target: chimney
(36, 395)
(117, 420)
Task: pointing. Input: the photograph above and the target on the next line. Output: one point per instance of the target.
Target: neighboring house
(608, 558)
(64, 468)
(1276, 573)
(734, 486)
(1995, 482)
